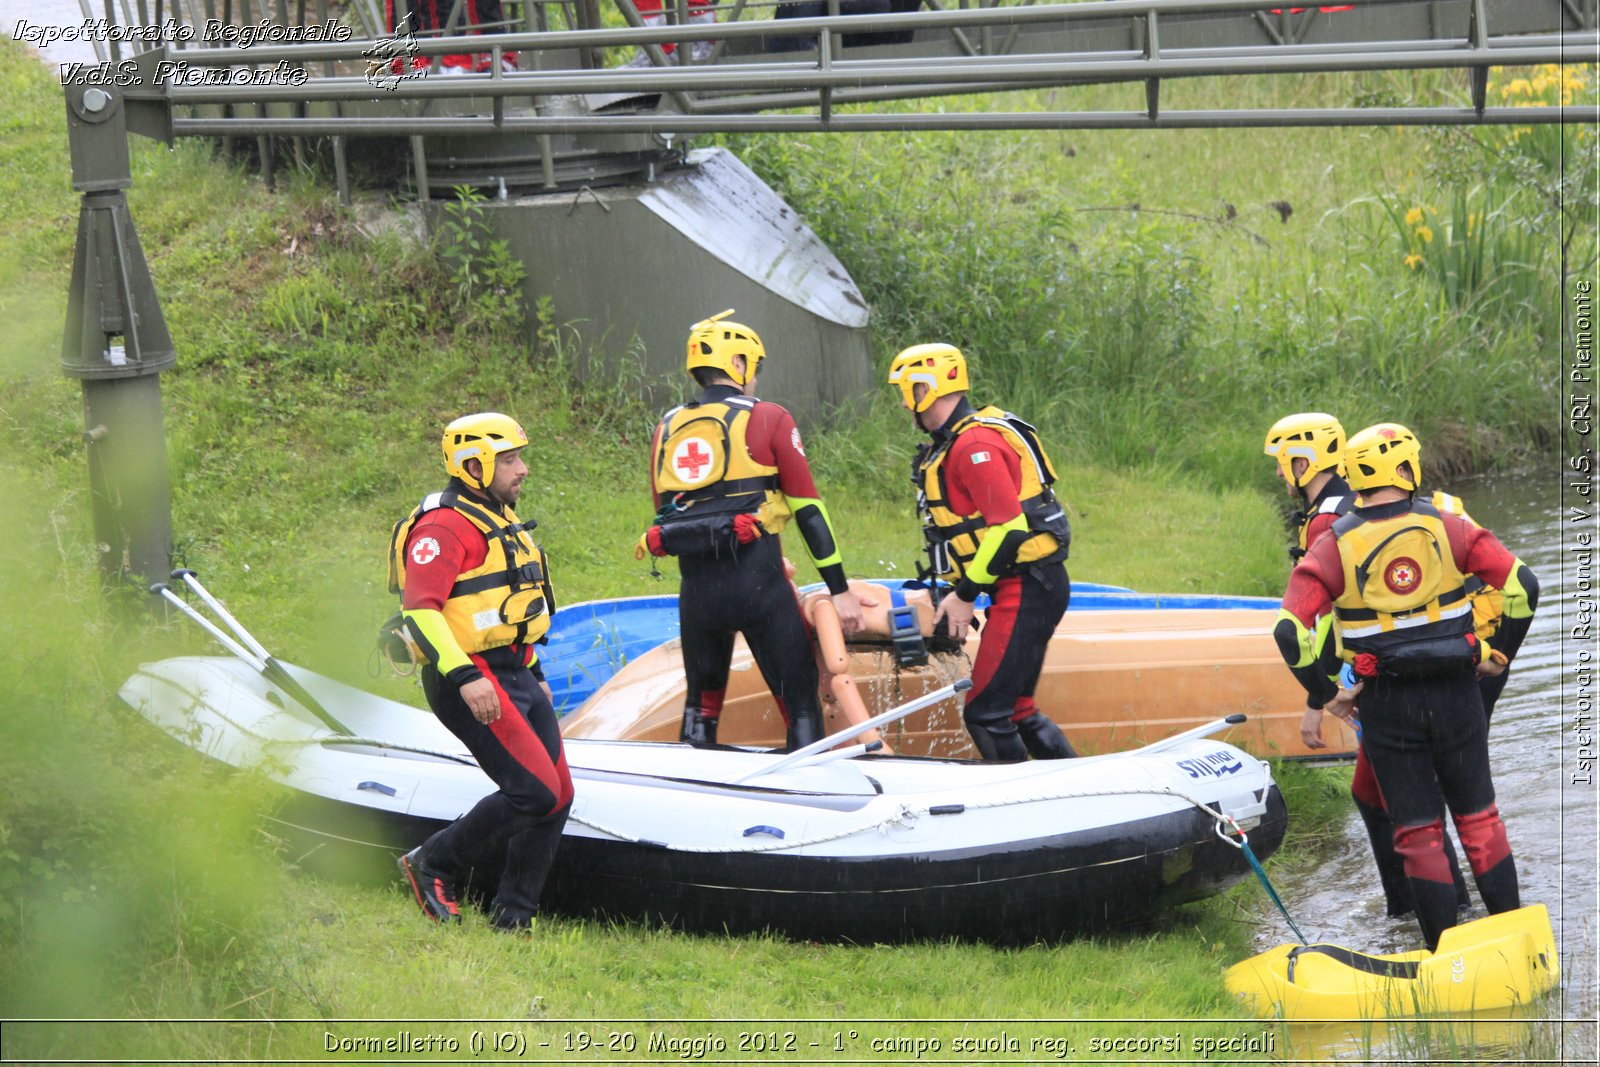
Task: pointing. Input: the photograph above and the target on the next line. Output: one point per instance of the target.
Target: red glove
(747, 528)
(652, 541)
(1366, 665)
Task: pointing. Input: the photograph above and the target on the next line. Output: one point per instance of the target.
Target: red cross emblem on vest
(691, 459)
(1403, 576)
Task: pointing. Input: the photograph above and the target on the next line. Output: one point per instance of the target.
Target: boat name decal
(1212, 765)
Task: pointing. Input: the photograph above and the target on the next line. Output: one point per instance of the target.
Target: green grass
(316, 365)
(1157, 299)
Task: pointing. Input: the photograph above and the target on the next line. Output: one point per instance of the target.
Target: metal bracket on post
(825, 62)
(1478, 41)
(116, 340)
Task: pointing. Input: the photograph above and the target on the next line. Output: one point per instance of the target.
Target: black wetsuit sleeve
(817, 532)
(1313, 677)
(1508, 637)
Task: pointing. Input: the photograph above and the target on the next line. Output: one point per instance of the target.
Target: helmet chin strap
(1305, 497)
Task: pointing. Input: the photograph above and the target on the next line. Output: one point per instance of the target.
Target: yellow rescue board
(1498, 962)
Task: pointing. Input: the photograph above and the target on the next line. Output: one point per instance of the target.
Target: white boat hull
(860, 849)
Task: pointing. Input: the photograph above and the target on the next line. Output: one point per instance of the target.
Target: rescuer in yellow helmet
(1309, 450)
(476, 596)
(992, 524)
(727, 474)
(1393, 572)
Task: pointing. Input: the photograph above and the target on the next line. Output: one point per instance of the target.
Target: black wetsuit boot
(803, 730)
(1391, 869)
(1498, 887)
(1043, 738)
(1436, 908)
(996, 743)
(698, 729)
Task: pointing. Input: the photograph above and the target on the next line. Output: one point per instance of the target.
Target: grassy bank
(317, 359)
(1157, 299)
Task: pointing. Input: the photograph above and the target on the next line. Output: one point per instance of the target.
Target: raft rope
(374, 742)
(907, 817)
(1243, 844)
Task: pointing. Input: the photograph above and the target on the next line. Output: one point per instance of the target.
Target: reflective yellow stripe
(1514, 605)
(1306, 639)
(795, 503)
(1388, 623)
(989, 540)
(437, 640)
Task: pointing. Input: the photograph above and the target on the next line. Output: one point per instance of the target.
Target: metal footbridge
(840, 72)
(577, 127)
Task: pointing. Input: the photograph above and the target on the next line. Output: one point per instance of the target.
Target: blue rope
(1261, 873)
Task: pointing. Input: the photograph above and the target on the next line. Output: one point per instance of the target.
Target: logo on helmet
(1402, 576)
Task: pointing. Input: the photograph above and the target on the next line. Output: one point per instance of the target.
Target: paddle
(798, 756)
(1189, 735)
(839, 753)
(255, 654)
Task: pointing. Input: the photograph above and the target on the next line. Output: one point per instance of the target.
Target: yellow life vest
(1403, 592)
(1333, 505)
(1488, 603)
(955, 538)
(703, 465)
(507, 599)
(1486, 599)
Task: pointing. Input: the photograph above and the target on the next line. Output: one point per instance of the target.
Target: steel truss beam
(1006, 49)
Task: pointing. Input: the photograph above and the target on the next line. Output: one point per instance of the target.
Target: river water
(1545, 791)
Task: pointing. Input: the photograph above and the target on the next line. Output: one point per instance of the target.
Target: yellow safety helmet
(1312, 436)
(482, 437)
(1373, 457)
(713, 343)
(939, 366)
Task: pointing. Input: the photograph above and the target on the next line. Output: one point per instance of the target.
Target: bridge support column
(116, 340)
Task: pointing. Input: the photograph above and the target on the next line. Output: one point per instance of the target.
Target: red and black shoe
(435, 895)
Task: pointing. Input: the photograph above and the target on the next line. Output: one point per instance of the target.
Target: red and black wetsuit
(1426, 735)
(1332, 503)
(744, 590)
(982, 475)
(516, 830)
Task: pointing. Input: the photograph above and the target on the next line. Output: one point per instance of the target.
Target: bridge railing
(295, 76)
